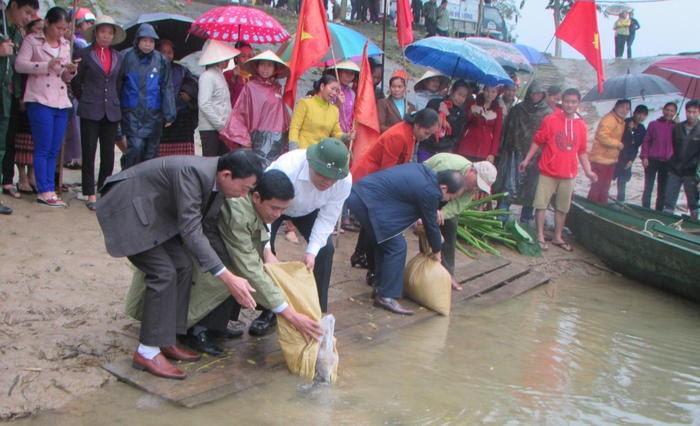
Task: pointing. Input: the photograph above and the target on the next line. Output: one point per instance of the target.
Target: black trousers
(219, 317)
(324, 259)
(8, 161)
(90, 132)
(211, 145)
(655, 170)
(168, 270)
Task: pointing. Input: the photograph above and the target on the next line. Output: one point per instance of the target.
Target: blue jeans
(48, 129)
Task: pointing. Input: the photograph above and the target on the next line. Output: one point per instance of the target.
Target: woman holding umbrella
(95, 86)
(260, 119)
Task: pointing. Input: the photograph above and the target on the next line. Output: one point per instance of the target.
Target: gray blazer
(151, 202)
(97, 91)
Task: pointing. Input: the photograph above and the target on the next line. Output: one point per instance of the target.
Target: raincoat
(518, 130)
(260, 120)
(147, 96)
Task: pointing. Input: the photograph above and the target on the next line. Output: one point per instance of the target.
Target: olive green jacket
(10, 81)
(446, 161)
(244, 235)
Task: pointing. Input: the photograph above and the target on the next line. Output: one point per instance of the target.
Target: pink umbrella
(239, 23)
(682, 71)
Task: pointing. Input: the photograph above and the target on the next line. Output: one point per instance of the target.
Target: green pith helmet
(329, 158)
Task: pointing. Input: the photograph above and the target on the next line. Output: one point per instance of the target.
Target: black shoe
(5, 210)
(263, 324)
(202, 342)
(370, 278)
(229, 333)
(358, 260)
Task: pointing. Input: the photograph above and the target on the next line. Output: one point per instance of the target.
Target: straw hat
(250, 65)
(216, 51)
(119, 33)
(444, 80)
(346, 64)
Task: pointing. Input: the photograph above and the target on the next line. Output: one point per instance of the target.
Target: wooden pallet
(254, 361)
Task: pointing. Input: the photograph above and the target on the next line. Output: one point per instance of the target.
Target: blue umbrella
(458, 59)
(534, 56)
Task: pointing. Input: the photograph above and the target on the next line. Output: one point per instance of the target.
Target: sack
(327, 361)
(299, 288)
(426, 281)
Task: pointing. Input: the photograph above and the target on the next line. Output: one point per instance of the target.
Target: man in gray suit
(152, 213)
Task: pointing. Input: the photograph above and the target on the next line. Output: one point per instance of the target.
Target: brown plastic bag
(426, 281)
(299, 288)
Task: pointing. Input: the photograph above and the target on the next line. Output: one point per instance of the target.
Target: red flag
(404, 23)
(580, 30)
(365, 111)
(311, 42)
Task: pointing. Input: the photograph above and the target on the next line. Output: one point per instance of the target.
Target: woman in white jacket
(214, 100)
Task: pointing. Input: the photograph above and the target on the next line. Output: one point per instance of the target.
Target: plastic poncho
(260, 119)
(518, 131)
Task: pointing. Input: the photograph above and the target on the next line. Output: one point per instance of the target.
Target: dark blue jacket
(147, 97)
(97, 90)
(398, 196)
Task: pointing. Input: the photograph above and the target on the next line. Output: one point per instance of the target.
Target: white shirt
(307, 198)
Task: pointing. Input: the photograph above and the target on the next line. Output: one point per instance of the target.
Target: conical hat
(346, 64)
(216, 51)
(444, 80)
(119, 33)
(251, 64)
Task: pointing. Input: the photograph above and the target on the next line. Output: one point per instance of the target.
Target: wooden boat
(642, 244)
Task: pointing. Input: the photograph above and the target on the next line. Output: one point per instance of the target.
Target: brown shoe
(158, 366)
(179, 354)
(391, 305)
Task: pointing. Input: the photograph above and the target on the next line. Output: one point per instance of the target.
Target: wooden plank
(466, 270)
(516, 287)
(490, 281)
(254, 361)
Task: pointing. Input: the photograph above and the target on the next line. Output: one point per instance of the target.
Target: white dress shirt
(307, 198)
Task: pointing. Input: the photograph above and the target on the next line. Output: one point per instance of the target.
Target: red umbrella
(682, 71)
(239, 23)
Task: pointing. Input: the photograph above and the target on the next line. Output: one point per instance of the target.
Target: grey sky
(667, 27)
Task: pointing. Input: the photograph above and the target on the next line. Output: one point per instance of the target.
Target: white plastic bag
(327, 360)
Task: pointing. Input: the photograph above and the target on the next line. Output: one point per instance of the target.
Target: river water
(594, 350)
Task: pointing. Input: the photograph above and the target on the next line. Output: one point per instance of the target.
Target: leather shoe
(158, 366)
(391, 305)
(179, 354)
(263, 324)
(229, 333)
(202, 342)
(5, 210)
(370, 278)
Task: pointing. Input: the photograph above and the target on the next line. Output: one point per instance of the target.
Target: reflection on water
(592, 351)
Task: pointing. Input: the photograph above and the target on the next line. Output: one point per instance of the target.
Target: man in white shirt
(321, 182)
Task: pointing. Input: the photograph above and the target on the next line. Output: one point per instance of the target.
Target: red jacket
(394, 147)
(562, 140)
(482, 137)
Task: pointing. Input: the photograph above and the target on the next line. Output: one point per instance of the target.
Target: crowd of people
(213, 219)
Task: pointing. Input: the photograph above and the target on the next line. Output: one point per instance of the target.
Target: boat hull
(661, 261)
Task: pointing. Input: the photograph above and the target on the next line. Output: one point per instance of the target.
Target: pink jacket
(46, 86)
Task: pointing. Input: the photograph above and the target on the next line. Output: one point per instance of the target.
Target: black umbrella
(168, 26)
(630, 86)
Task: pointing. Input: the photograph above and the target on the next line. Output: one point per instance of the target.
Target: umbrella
(504, 53)
(168, 26)
(683, 71)
(534, 56)
(239, 23)
(458, 59)
(631, 86)
(347, 44)
(616, 9)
